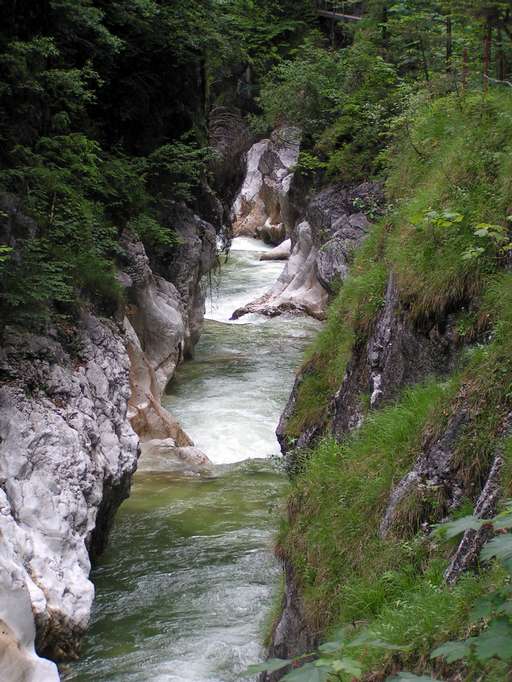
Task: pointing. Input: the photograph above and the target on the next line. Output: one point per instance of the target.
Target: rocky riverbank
(77, 405)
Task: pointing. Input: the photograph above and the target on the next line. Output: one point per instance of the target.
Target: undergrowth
(337, 503)
(446, 238)
(449, 175)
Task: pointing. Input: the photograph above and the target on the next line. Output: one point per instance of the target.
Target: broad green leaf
(340, 635)
(483, 608)
(308, 673)
(268, 666)
(348, 665)
(410, 677)
(453, 651)
(499, 547)
(330, 647)
(362, 638)
(495, 642)
(453, 217)
(453, 528)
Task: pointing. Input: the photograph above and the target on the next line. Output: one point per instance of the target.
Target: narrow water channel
(184, 588)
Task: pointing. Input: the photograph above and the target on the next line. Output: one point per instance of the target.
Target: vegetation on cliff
(104, 119)
(441, 143)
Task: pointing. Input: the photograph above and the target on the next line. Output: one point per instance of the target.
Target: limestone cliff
(326, 228)
(77, 404)
(262, 208)
(399, 351)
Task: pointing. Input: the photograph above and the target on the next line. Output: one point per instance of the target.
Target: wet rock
(291, 636)
(147, 416)
(321, 248)
(297, 289)
(271, 233)
(67, 454)
(185, 265)
(262, 208)
(156, 330)
(71, 414)
(18, 659)
(281, 252)
(156, 315)
(307, 437)
(165, 455)
(249, 209)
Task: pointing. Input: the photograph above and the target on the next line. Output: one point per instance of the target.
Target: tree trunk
(449, 45)
(487, 54)
(501, 68)
(465, 68)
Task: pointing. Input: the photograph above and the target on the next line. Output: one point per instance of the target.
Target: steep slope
(400, 415)
(76, 403)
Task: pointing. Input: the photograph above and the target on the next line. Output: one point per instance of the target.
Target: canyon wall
(78, 403)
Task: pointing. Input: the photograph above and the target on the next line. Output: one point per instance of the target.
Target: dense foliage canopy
(103, 116)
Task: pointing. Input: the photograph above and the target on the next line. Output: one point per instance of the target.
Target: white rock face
(156, 330)
(156, 317)
(18, 659)
(261, 208)
(67, 454)
(74, 407)
(280, 252)
(322, 245)
(297, 288)
(249, 210)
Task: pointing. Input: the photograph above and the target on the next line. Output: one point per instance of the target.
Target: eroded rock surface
(185, 265)
(322, 245)
(67, 455)
(75, 405)
(290, 636)
(398, 352)
(262, 207)
(280, 252)
(18, 659)
(297, 288)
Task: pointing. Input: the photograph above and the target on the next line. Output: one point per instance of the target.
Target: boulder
(67, 455)
(321, 248)
(262, 207)
(163, 454)
(281, 252)
(297, 289)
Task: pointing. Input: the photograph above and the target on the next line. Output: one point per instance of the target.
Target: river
(185, 588)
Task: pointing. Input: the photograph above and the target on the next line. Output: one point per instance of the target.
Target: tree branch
(495, 80)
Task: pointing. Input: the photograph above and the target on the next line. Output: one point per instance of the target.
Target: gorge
(255, 331)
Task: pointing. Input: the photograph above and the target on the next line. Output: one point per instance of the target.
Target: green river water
(184, 589)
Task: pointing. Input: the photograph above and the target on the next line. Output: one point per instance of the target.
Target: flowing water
(184, 588)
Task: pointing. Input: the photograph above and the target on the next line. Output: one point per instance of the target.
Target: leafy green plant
(491, 615)
(177, 168)
(5, 253)
(491, 236)
(332, 661)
